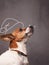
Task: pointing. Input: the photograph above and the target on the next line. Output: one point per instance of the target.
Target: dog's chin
(29, 34)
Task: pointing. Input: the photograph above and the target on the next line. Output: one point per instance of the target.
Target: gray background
(35, 12)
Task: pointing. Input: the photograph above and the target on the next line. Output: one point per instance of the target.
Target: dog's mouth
(29, 31)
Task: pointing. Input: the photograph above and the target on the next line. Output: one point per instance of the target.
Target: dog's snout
(31, 27)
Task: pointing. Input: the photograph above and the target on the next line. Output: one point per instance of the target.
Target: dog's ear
(7, 37)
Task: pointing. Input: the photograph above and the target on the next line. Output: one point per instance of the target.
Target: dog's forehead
(17, 30)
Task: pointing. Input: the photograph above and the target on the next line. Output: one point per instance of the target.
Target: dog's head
(23, 33)
(19, 34)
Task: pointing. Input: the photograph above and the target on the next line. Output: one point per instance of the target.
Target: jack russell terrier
(17, 54)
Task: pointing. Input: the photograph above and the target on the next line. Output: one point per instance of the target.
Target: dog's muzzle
(29, 30)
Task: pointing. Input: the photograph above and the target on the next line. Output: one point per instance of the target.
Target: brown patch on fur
(13, 44)
(19, 35)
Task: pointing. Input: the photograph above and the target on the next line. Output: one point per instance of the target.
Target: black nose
(32, 28)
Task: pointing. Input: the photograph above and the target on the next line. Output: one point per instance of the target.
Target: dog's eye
(20, 29)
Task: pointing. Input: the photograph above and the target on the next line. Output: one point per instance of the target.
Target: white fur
(27, 30)
(13, 58)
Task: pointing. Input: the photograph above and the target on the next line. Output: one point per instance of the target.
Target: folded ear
(7, 37)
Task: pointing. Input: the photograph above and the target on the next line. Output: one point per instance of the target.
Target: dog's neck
(21, 46)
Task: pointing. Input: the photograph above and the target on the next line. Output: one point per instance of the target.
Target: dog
(17, 52)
